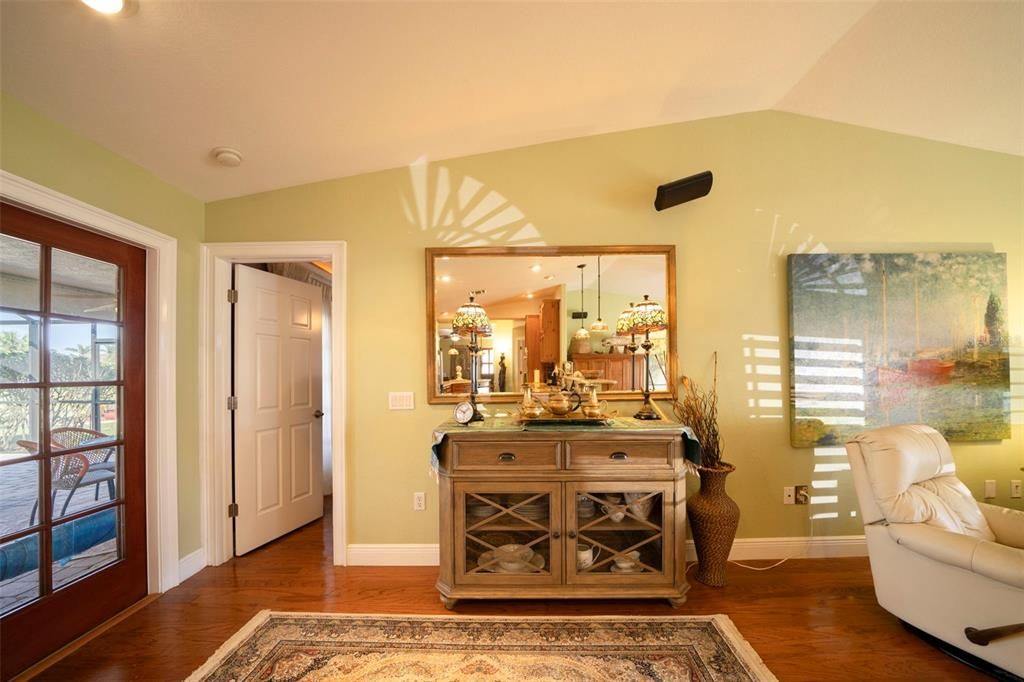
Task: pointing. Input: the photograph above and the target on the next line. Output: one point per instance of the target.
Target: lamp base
(646, 412)
(477, 414)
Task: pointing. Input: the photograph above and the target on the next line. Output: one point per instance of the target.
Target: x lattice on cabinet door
(507, 518)
(604, 523)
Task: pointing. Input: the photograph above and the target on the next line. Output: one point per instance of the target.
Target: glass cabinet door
(619, 531)
(508, 533)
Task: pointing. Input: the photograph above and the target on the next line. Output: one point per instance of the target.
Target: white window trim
(161, 361)
(215, 261)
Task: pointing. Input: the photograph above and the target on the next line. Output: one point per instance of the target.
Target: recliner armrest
(997, 561)
(1007, 524)
(949, 548)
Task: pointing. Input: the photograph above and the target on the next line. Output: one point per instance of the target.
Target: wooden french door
(72, 429)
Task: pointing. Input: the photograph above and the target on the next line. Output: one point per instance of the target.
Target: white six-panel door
(278, 433)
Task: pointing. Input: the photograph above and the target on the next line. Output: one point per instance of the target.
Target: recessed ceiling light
(106, 6)
(529, 295)
(535, 267)
(445, 314)
(226, 156)
(549, 277)
(445, 278)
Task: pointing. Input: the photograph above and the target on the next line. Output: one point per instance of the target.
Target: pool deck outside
(18, 490)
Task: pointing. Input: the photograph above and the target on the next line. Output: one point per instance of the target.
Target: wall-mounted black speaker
(680, 191)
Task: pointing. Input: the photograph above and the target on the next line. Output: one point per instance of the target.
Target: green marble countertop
(510, 424)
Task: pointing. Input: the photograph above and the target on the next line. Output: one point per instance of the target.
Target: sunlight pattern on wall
(761, 356)
(1016, 381)
(830, 385)
(462, 210)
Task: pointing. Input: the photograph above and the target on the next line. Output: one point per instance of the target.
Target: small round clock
(464, 412)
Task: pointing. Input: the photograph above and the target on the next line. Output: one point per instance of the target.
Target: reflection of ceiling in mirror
(508, 278)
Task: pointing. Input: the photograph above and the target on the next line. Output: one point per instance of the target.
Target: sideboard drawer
(650, 454)
(536, 455)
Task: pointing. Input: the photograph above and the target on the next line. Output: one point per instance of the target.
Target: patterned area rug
(323, 646)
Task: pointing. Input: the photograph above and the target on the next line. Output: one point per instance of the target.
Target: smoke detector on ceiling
(226, 156)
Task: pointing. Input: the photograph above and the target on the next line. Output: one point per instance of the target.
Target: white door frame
(215, 261)
(161, 367)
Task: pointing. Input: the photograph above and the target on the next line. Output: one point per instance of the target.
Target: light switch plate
(1015, 488)
(401, 400)
(990, 489)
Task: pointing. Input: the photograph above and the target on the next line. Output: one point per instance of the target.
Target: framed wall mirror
(548, 306)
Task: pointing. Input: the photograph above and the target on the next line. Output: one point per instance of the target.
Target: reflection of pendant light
(599, 325)
(582, 332)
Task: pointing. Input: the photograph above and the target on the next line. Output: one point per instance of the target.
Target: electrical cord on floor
(780, 561)
(761, 568)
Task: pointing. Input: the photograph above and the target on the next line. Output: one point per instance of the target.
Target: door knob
(318, 414)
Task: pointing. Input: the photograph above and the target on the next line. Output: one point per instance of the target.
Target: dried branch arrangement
(698, 409)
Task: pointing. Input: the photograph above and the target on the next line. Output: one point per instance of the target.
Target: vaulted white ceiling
(315, 90)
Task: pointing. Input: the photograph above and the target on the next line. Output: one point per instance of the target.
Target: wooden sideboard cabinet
(626, 370)
(619, 490)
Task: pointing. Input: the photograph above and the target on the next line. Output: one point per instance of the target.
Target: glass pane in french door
(84, 545)
(20, 268)
(620, 532)
(19, 575)
(83, 287)
(508, 532)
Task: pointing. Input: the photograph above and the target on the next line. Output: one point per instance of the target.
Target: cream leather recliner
(940, 561)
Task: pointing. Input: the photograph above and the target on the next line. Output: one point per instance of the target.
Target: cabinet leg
(676, 602)
(449, 602)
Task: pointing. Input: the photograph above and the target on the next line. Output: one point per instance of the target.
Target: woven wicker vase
(714, 517)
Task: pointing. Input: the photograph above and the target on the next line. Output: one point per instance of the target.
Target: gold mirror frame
(432, 254)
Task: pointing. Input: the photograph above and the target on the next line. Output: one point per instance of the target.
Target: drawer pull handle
(556, 534)
(572, 535)
(619, 456)
(507, 457)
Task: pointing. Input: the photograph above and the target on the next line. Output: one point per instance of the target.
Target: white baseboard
(743, 549)
(394, 555)
(822, 547)
(191, 564)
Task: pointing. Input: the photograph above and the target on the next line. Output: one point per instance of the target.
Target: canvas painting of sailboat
(898, 338)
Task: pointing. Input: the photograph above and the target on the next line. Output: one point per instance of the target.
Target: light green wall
(783, 184)
(40, 150)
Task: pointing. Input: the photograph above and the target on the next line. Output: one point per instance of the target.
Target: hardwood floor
(808, 619)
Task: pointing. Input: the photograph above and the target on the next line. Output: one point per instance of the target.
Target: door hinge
(232, 295)
(232, 402)
(232, 510)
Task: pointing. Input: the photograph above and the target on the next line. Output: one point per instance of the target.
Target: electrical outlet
(789, 494)
(1015, 488)
(419, 501)
(802, 496)
(990, 489)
